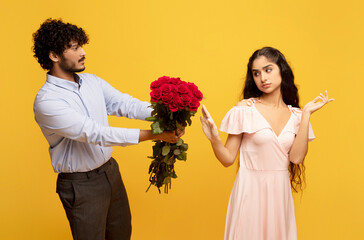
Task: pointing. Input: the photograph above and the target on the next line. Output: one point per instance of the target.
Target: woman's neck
(273, 99)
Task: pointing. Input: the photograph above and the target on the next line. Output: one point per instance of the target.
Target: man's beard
(70, 67)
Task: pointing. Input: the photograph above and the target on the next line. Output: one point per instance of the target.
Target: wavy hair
(290, 96)
(55, 35)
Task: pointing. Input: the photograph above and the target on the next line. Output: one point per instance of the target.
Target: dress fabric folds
(261, 205)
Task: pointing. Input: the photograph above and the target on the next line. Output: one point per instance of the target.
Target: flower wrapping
(174, 102)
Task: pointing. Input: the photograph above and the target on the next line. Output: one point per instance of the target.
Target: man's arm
(167, 136)
(122, 104)
(57, 117)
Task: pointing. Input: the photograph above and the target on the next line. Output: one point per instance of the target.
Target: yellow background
(207, 42)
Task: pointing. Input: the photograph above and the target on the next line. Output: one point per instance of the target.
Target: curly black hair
(55, 35)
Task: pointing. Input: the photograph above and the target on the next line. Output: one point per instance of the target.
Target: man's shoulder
(47, 90)
(90, 78)
(50, 93)
(87, 76)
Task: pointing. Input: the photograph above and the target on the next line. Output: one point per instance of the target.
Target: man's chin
(80, 69)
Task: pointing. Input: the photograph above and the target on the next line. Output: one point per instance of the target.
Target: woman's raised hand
(317, 103)
(208, 125)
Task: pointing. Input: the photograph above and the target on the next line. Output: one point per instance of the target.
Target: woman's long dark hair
(289, 94)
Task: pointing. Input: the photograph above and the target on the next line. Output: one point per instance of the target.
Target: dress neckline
(251, 102)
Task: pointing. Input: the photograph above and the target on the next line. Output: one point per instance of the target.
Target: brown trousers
(96, 203)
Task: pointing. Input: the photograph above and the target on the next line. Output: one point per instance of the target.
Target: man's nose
(83, 53)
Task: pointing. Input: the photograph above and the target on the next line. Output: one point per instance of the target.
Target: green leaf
(169, 162)
(155, 125)
(189, 122)
(156, 129)
(177, 152)
(173, 175)
(156, 150)
(165, 150)
(179, 126)
(179, 142)
(182, 156)
(167, 180)
(184, 147)
(150, 119)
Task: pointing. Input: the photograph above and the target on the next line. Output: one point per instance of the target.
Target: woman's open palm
(208, 125)
(316, 104)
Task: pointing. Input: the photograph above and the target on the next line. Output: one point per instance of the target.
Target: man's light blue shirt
(73, 119)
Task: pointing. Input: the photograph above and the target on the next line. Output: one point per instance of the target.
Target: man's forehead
(73, 42)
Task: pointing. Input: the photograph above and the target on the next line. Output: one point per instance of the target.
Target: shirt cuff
(147, 111)
(132, 136)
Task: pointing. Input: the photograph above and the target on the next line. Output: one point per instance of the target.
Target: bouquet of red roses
(173, 102)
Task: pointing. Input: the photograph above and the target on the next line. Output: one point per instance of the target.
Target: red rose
(156, 95)
(174, 104)
(166, 98)
(164, 79)
(174, 89)
(185, 100)
(192, 87)
(176, 81)
(198, 94)
(194, 104)
(165, 88)
(182, 88)
(155, 84)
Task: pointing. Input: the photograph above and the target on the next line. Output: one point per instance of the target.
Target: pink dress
(261, 204)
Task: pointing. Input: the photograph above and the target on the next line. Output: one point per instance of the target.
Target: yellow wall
(207, 42)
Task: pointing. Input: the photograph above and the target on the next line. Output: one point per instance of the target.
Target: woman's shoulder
(242, 103)
(295, 110)
(247, 102)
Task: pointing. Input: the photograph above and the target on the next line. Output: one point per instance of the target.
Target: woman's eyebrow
(269, 65)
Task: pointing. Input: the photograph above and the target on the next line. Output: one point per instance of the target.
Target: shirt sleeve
(57, 117)
(122, 104)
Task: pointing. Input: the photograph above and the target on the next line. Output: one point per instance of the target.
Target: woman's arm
(300, 145)
(225, 154)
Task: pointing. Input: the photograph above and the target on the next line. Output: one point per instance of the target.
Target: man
(71, 110)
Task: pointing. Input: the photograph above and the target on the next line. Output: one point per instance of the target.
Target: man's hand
(167, 136)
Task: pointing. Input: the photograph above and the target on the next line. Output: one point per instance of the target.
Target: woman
(272, 134)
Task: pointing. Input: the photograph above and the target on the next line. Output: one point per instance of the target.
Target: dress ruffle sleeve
(296, 124)
(241, 119)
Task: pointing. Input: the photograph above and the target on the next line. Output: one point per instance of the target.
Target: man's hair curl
(55, 35)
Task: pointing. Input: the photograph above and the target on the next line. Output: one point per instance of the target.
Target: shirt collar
(59, 82)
